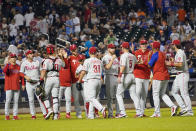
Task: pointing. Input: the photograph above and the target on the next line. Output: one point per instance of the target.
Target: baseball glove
(40, 91)
(79, 86)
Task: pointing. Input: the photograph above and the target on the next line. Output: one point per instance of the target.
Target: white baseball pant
(76, 95)
(128, 81)
(111, 83)
(92, 91)
(159, 89)
(9, 95)
(181, 84)
(30, 92)
(67, 93)
(52, 87)
(142, 92)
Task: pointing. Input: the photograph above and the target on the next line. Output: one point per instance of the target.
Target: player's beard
(112, 52)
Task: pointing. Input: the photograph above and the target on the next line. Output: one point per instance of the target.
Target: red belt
(178, 73)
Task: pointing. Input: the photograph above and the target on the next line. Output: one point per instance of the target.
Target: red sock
(96, 111)
(87, 107)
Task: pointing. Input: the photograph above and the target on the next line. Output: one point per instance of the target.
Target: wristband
(41, 79)
(120, 75)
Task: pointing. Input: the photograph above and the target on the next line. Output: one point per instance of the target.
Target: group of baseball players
(60, 74)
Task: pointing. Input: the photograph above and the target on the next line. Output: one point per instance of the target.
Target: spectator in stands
(13, 30)
(76, 25)
(87, 14)
(94, 19)
(174, 35)
(29, 17)
(110, 38)
(43, 42)
(181, 15)
(53, 17)
(86, 29)
(19, 19)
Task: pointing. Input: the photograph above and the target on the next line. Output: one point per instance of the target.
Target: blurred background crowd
(32, 24)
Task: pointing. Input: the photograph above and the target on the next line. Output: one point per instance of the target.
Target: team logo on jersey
(33, 67)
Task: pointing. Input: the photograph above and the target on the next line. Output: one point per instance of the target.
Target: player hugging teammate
(60, 74)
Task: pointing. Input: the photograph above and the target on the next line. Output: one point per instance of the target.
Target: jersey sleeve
(179, 57)
(122, 61)
(85, 68)
(105, 61)
(22, 68)
(153, 59)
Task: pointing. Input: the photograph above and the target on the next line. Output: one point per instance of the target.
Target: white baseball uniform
(127, 81)
(93, 68)
(32, 70)
(111, 82)
(52, 65)
(181, 83)
(83, 92)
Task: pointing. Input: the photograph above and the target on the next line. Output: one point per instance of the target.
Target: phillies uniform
(32, 70)
(127, 81)
(12, 88)
(181, 83)
(142, 76)
(93, 68)
(84, 84)
(111, 82)
(52, 65)
(75, 93)
(160, 82)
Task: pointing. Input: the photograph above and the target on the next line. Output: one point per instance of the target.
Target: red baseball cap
(111, 46)
(92, 50)
(12, 55)
(28, 52)
(143, 42)
(176, 42)
(156, 45)
(125, 45)
(73, 47)
(81, 57)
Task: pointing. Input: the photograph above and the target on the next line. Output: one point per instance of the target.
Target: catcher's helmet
(50, 49)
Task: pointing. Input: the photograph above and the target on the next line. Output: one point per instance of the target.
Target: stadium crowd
(34, 24)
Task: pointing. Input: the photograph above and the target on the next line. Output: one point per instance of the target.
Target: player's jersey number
(97, 68)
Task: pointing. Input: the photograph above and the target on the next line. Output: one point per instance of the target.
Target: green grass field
(165, 123)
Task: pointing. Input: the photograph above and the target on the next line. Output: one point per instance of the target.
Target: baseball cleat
(79, 116)
(121, 116)
(7, 117)
(174, 110)
(155, 115)
(55, 117)
(68, 116)
(144, 115)
(33, 117)
(188, 114)
(104, 112)
(48, 115)
(15, 118)
(182, 113)
(138, 116)
(110, 116)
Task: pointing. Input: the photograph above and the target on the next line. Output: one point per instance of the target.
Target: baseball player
(65, 85)
(160, 80)
(12, 86)
(93, 70)
(75, 92)
(30, 70)
(111, 65)
(181, 81)
(126, 79)
(142, 74)
(50, 69)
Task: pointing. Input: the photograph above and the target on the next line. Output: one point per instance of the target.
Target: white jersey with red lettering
(52, 65)
(78, 71)
(128, 60)
(181, 57)
(93, 67)
(114, 69)
(31, 69)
